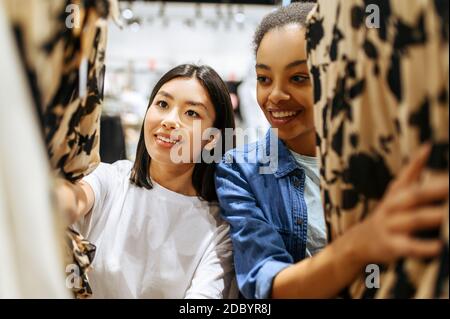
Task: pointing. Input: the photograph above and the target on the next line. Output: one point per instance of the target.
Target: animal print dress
(62, 45)
(380, 91)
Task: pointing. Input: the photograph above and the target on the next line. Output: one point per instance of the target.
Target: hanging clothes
(30, 253)
(62, 48)
(380, 91)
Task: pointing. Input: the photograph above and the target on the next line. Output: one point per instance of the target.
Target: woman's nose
(277, 95)
(171, 121)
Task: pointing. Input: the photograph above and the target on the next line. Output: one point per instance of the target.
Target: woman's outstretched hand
(408, 206)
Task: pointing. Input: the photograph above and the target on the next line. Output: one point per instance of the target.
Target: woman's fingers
(414, 168)
(416, 248)
(422, 219)
(432, 190)
(404, 226)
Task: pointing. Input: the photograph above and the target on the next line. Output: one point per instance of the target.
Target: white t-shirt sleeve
(100, 181)
(214, 278)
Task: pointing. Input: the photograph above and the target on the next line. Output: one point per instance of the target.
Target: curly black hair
(295, 13)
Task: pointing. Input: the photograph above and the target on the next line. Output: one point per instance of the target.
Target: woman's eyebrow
(262, 66)
(290, 65)
(295, 63)
(193, 103)
(164, 93)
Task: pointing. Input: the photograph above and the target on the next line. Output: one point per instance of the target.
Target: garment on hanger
(82, 253)
(380, 77)
(30, 253)
(63, 50)
(62, 47)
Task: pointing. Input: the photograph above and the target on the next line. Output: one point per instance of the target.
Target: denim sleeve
(259, 250)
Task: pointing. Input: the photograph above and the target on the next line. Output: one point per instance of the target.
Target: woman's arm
(322, 276)
(214, 277)
(258, 248)
(265, 269)
(386, 235)
(75, 199)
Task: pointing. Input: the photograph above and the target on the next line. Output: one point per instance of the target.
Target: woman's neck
(175, 177)
(304, 144)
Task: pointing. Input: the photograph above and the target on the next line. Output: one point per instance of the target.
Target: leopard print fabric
(379, 93)
(57, 39)
(53, 46)
(82, 253)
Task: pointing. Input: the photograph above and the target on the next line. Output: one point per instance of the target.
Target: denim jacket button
(296, 183)
(299, 221)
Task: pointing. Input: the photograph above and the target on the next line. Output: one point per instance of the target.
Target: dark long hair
(203, 175)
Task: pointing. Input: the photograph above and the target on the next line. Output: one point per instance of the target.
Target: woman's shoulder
(123, 167)
(119, 169)
(213, 210)
(242, 153)
(249, 159)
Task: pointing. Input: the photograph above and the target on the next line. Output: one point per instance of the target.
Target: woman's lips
(282, 117)
(165, 141)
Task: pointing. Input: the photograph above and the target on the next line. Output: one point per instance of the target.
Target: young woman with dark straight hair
(155, 222)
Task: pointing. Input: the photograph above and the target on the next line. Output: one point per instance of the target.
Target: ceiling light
(127, 14)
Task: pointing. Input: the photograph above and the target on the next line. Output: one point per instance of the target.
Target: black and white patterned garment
(62, 45)
(57, 40)
(379, 94)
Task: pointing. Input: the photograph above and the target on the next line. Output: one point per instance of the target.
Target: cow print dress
(380, 78)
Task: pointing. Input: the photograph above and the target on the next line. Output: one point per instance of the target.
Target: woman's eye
(263, 79)
(299, 78)
(192, 113)
(162, 104)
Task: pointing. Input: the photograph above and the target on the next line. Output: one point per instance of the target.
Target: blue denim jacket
(267, 213)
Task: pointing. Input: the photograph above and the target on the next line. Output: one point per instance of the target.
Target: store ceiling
(162, 35)
(263, 2)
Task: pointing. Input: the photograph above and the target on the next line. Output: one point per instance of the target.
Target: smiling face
(284, 91)
(177, 105)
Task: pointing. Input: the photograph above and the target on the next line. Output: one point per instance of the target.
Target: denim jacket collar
(286, 161)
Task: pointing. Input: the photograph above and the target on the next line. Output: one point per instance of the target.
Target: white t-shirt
(316, 231)
(154, 243)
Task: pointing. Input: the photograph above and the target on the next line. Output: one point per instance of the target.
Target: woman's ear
(212, 142)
